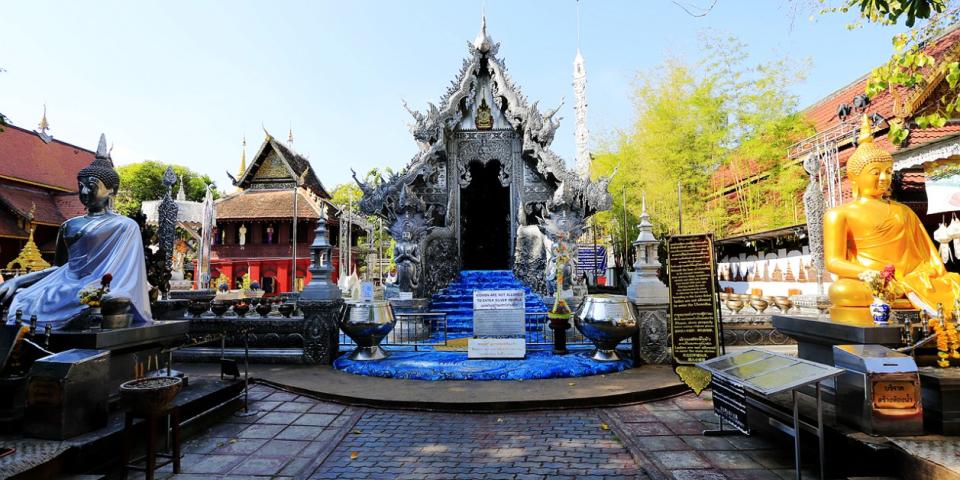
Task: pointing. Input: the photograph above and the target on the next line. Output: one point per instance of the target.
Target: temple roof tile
(26, 157)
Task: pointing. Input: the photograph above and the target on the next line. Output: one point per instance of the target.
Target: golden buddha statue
(872, 232)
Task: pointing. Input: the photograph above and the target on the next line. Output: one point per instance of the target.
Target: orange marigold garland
(948, 341)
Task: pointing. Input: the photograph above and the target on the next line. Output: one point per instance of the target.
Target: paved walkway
(299, 437)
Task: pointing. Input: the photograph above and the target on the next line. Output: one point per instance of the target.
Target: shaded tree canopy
(710, 126)
(144, 181)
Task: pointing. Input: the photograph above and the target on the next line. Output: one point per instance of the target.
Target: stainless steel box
(880, 390)
(67, 394)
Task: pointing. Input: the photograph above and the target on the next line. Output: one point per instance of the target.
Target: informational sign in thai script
(694, 320)
(730, 402)
(894, 394)
(498, 315)
(496, 348)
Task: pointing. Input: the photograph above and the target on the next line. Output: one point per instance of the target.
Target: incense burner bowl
(367, 323)
(606, 320)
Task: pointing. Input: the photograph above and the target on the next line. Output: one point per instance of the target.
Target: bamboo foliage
(718, 127)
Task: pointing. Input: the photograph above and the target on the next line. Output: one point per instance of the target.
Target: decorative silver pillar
(320, 302)
(167, 229)
(649, 295)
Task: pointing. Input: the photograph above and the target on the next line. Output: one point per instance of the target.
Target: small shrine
(30, 258)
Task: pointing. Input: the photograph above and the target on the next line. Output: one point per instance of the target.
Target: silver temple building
(484, 191)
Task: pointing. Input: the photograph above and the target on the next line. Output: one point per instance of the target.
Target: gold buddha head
(870, 168)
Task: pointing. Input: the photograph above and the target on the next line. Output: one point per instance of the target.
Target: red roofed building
(38, 187)
(836, 120)
(254, 232)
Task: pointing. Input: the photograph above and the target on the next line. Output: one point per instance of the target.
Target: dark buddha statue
(88, 247)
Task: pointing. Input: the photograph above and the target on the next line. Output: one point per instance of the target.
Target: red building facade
(254, 233)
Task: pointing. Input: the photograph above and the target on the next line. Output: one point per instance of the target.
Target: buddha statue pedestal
(816, 337)
(131, 349)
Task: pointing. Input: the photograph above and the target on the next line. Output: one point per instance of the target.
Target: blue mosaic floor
(455, 366)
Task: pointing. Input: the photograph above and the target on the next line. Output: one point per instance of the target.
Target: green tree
(910, 68)
(348, 195)
(888, 12)
(144, 181)
(694, 121)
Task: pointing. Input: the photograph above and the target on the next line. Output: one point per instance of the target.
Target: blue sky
(181, 82)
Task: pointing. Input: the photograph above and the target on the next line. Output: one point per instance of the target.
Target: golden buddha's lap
(847, 292)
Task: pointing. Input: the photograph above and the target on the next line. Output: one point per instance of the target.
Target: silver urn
(367, 323)
(606, 320)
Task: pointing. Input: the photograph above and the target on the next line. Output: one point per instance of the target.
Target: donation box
(67, 394)
(880, 390)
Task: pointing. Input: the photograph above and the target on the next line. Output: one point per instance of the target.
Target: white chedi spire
(581, 135)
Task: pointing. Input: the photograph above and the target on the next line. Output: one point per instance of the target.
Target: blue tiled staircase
(457, 299)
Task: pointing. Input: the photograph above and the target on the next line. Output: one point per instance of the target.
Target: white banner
(943, 186)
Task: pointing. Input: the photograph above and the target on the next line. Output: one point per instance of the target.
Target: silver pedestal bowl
(606, 320)
(367, 323)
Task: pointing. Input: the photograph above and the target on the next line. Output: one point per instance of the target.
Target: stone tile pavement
(299, 437)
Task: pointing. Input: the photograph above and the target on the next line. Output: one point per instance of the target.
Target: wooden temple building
(255, 234)
(38, 192)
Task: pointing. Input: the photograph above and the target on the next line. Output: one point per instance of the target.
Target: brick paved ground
(297, 436)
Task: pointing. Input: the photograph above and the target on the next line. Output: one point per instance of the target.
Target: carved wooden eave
(293, 163)
(908, 105)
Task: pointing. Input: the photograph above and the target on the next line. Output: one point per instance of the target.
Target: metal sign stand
(794, 429)
(747, 369)
(246, 377)
(719, 431)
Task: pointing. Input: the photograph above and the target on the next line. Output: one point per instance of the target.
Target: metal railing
(412, 330)
(429, 329)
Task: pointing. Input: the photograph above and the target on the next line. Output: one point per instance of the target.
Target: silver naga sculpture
(421, 203)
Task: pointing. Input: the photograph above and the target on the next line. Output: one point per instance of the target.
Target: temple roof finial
(44, 125)
(483, 43)
(243, 156)
(290, 134)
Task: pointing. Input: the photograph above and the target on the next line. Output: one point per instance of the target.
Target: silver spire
(483, 43)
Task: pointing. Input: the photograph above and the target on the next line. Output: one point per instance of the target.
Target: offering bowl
(783, 303)
(606, 320)
(367, 323)
(759, 304)
(735, 305)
